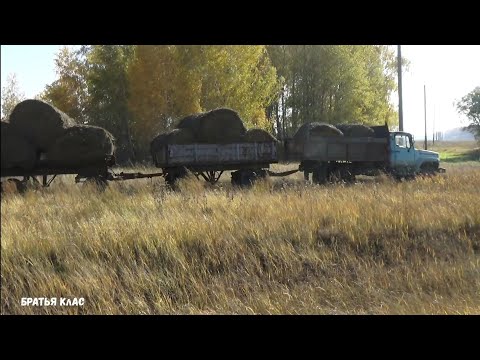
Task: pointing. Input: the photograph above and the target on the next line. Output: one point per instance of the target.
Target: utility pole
(425, 107)
(433, 140)
(400, 104)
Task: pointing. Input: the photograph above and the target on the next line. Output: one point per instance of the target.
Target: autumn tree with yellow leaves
(168, 82)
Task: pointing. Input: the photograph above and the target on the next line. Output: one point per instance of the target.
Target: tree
(11, 95)
(169, 82)
(92, 87)
(469, 105)
(163, 87)
(69, 92)
(333, 84)
(106, 77)
(240, 77)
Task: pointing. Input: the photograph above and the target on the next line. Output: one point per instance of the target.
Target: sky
(447, 71)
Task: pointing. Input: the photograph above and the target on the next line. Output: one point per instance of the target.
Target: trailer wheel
(320, 174)
(261, 174)
(14, 186)
(211, 177)
(243, 178)
(173, 175)
(347, 176)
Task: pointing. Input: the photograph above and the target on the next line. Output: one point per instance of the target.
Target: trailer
(247, 161)
(98, 172)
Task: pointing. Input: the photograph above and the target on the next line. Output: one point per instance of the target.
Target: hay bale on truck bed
(81, 145)
(259, 135)
(356, 130)
(173, 137)
(315, 128)
(40, 123)
(17, 152)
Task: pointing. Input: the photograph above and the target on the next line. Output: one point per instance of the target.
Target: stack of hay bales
(17, 152)
(356, 130)
(190, 122)
(80, 145)
(315, 128)
(308, 129)
(40, 123)
(36, 127)
(258, 135)
(219, 126)
(182, 136)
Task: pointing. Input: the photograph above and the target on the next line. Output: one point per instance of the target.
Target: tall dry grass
(376, 247)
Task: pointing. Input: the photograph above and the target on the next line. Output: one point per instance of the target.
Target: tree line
(137, 91)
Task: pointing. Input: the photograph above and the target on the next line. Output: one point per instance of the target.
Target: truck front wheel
(429, 169)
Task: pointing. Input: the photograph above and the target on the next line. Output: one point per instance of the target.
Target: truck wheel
(429, 169)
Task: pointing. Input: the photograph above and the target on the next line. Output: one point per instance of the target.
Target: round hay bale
(17, 152)
(174, 137)
(40, 123)
(356, 130)
(259, 135)
(315, 128)
(220, 126)
(81, 145)
(191, 122)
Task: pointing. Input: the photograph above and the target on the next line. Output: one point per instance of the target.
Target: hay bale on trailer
(81, 145)
(190, 122)
(174, 137)
(315, 128)
(220, 126)
(17, 152)
(40, 123)
(258, 135)
(356, 130)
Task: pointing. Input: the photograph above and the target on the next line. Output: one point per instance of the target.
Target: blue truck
(337, 157)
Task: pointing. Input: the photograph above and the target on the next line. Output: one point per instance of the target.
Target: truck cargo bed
(353, 149)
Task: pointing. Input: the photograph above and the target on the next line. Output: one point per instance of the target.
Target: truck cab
(405, 160)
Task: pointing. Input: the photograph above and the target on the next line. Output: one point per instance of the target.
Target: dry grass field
(283, 247)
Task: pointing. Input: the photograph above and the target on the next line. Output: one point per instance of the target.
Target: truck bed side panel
(345, 149)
